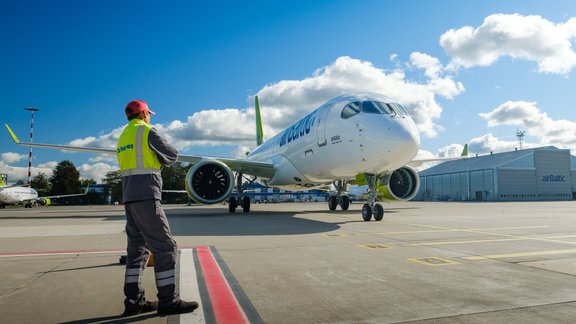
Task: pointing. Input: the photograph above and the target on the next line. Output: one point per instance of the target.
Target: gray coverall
(148, 230)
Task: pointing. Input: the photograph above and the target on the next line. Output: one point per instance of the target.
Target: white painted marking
(189, 287)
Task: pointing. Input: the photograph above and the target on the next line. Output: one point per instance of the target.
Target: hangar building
(545, 173)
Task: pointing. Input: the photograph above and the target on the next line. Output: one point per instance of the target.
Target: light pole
(32, 110)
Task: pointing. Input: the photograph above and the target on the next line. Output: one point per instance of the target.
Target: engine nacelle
(400, 185)
(44, 201)
(209, 182)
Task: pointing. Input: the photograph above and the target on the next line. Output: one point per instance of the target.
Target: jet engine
(209, 182)
(400, 185)
(44, 201)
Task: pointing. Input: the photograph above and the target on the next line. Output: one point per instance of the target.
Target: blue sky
(469, 72)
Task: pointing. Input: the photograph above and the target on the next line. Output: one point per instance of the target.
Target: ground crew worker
(141, 152)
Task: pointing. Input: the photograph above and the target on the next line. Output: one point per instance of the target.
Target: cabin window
(350, 110)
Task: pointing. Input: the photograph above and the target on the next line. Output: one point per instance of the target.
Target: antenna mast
(520, 135)
(32, 110)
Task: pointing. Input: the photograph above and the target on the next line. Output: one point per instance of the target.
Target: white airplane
(18, 195)
(359, 138)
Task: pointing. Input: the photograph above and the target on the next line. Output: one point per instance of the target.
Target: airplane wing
(63, 196)
(255, 168)
(419, 162)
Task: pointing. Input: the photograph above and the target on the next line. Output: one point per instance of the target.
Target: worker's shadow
(114, 319)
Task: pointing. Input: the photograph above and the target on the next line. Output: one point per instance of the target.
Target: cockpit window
(370, 107)
(350, 110)
(397, 109)
(383, 107)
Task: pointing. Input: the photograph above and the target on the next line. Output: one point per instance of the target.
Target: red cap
(135, 107)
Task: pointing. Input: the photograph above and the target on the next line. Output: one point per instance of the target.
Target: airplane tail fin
(3, 179)
(465, 151)
(259, 132)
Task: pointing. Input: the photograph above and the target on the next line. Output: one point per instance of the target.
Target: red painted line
(226, 307)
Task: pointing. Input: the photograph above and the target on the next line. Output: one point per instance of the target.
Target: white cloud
(95, 171)
(489, 143)
(11, 157)
(531, 38)
(527, 115)
(21, 173)
(107, 140)
(452, 150)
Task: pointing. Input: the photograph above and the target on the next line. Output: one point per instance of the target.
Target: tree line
(65, 179)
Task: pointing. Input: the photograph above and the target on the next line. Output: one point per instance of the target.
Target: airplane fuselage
(349, 135)
(17, 195)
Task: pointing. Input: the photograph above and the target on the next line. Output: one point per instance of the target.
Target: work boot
(179, 307)
(144, 308)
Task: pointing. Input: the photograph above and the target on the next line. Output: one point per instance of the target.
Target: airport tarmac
(297, 263)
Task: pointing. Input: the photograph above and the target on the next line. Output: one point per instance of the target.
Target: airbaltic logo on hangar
(553, 178)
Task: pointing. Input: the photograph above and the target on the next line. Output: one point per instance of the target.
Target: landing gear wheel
(332, 202)
(246, 204)
(344, 202)
(378, 212)
(232, 205)
(366, 212)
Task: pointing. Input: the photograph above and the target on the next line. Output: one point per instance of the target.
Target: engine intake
(400, 185)
(44, 201)
(209, 182)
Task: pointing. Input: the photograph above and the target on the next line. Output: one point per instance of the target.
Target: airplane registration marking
(377, 246)
(515, 255)
(434, 261)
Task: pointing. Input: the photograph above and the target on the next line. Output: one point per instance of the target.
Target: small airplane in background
(20, 195)
(353, 139)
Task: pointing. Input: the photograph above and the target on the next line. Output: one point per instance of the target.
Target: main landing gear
(339, 198)
(241, 201)
(370, 208)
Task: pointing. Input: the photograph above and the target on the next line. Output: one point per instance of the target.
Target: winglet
(259, 132)
(14, 137)
(87, 187)
(465, 151)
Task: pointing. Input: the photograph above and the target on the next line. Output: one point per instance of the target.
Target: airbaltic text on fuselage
(298, 130)
(553, 178)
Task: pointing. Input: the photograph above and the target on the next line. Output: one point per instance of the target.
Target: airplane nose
(406, 142)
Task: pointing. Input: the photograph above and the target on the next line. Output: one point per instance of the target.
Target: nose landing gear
(371, 208)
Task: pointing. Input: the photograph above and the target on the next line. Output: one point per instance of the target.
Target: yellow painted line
(559, 236)
(376, 246)
(333, 235)
(465, 242)
(434, 261)
(506, 228)
(515, 255)
(405, 232)
(446, 229)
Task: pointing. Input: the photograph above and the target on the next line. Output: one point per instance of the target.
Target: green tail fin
(259, 132)
(464, 150)
(3, 179)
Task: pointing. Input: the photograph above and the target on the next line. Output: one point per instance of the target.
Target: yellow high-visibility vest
(133, 153)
